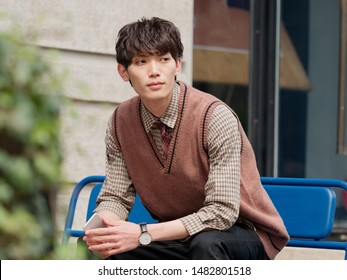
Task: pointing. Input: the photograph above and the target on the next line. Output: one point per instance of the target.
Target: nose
(153, 70)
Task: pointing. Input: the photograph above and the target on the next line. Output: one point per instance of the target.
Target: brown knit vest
(174, 188)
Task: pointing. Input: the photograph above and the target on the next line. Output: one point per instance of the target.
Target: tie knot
(160, 124)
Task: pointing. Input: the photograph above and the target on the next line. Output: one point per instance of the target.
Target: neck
(157, 107)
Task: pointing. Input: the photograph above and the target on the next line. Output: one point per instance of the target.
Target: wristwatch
(145, 238)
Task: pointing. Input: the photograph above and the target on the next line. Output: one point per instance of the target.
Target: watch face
(145, 238)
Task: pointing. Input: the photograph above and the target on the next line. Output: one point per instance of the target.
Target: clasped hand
(119, 236)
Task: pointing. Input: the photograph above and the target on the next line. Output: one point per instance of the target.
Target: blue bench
(306, 205)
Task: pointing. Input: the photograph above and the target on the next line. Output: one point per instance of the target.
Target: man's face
(152, 76)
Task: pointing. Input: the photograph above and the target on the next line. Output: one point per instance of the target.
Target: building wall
(84, 32)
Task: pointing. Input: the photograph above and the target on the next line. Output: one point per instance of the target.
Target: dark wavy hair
(148, 36)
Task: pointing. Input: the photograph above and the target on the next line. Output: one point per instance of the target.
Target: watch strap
(143, 227)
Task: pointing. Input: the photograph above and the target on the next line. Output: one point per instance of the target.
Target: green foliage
(30, 158)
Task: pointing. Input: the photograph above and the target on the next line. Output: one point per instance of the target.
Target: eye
(140, 61)
(165, 58)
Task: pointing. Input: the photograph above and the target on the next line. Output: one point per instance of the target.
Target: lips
(155, 85)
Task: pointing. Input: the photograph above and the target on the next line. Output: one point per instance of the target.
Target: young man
(186, 155)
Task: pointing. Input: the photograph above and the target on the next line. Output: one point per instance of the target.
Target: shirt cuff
(192, 223)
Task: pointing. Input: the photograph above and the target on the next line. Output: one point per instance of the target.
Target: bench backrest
(307, 212)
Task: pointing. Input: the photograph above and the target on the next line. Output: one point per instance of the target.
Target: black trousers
(237, 243)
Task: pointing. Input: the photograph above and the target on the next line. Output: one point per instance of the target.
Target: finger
(103, 246)
(101, 254)
(97, 231)
(102, 239)
(111, 252)
(107, 253)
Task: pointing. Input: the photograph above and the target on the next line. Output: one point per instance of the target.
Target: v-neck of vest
(167, 164)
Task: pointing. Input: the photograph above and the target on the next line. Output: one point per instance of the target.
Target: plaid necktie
(165, 137)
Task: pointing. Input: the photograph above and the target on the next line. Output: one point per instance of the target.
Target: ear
(123, 72)
(178, 66)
